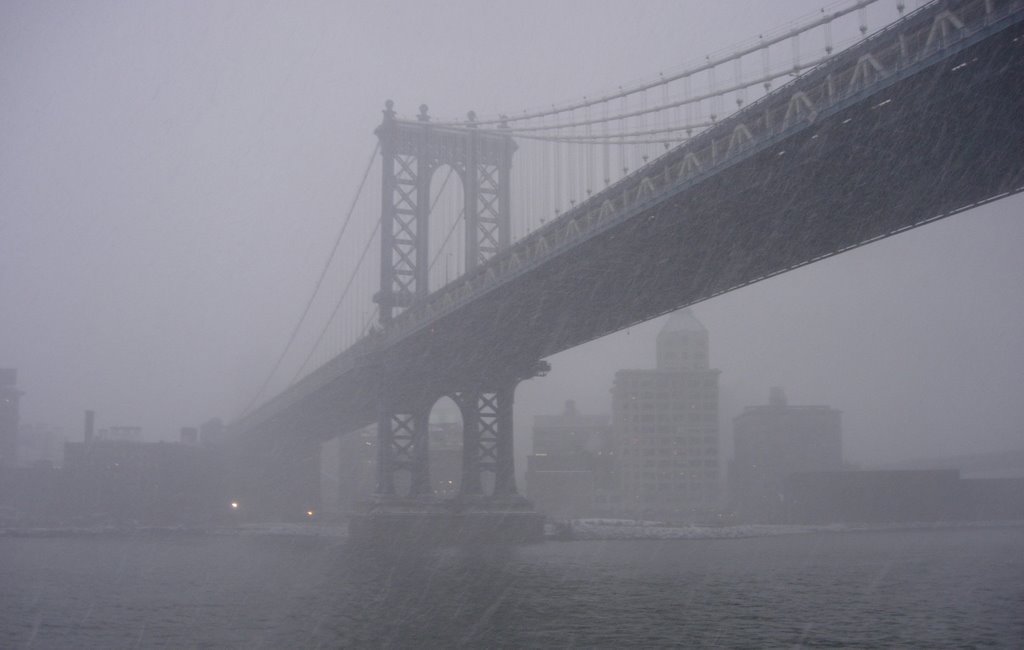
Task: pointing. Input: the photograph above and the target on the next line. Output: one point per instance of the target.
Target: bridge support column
(487, 189)
(403, 445)
(495, 515)
(411, 151)
(487, 444)
(487, 433)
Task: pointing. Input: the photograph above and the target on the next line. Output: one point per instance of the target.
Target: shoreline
(326, 531)
(573, 531)
(626, 529)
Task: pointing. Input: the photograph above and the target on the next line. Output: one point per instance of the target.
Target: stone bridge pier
(488, 506)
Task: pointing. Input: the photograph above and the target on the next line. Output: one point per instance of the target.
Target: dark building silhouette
(773, 442)
(357, 467)
(114, 477)
(569, 473)
(570, 432)
(39, 443)
(118, 481)
(9, 397)
(899, 496)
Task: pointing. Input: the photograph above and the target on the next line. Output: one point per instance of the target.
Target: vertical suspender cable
(605, 147)
(623, 163)
(589, 185)
(665, 113)
(338, 304)
(558, 170)
(766, 64)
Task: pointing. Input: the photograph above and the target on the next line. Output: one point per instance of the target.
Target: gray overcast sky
(172, 173)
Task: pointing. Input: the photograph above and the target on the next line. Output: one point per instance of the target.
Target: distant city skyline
(171, 174)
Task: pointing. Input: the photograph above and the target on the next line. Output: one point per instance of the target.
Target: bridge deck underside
(948, 139)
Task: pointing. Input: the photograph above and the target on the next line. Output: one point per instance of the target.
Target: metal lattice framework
(878, 63)
(403, 446)
(491, 229)
(406, 225)
(487, 439)
(454, 340)
(411, 151)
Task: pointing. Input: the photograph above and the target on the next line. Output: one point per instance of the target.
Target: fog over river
(910, 588)
(195, 216)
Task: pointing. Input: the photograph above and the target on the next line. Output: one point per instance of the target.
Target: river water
(917, 588)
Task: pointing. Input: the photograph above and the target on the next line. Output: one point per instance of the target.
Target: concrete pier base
(428, 521)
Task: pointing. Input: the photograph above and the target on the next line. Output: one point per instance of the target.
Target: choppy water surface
(912, 588)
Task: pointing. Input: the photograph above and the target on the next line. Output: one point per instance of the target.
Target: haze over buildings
(665, 423)
(571, 472)
(9, 419)
(774, 441)
(177, 179)
(171, 174)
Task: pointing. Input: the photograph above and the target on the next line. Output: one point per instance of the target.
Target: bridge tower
(411, 151)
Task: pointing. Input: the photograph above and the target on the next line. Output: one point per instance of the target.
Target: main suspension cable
(708, 64)
(319, 283)
(337, 305)
(352, 278)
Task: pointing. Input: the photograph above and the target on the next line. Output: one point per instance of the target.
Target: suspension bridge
(485, 244)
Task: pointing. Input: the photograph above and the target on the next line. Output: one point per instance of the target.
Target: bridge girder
(925, 142)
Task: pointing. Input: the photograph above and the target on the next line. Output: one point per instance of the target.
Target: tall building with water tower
(665, 427)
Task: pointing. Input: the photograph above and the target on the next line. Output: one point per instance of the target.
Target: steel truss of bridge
(916, 122)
